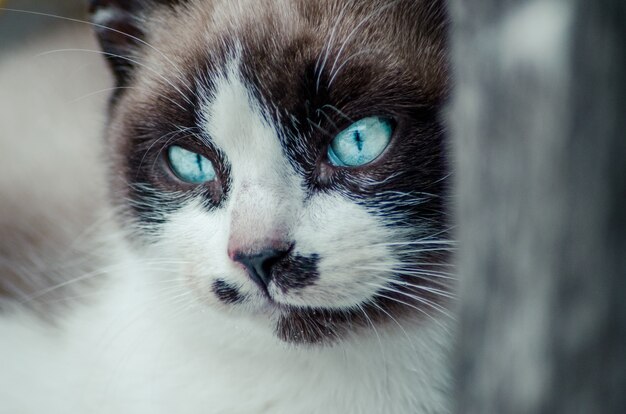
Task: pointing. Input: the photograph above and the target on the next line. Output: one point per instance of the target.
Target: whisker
(356, 29)
(345, 62)
(341, 113)
(414, 297)
(80, 98)
(369, 320)
(380, 308)
(416, 308)
(435, 291)
(328, 118)
(170, 139)
(86, 276)
(319, 70)
(417, 242)
(425, 267)
(318, 127)
(412, 269)
(170, 83)
(435, 249)
(172, 134)
(176, 67)
(412, 264)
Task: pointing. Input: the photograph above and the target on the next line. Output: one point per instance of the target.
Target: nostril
(260, 264)
(268, 264)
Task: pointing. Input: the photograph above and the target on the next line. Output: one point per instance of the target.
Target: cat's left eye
(189, 166)
(360, 143)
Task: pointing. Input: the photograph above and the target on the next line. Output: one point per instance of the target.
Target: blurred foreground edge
(539, 125)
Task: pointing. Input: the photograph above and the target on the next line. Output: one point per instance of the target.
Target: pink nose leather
(260, 265)
(259, 223)
(237, 248)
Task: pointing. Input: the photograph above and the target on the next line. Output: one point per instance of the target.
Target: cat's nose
(259, 264)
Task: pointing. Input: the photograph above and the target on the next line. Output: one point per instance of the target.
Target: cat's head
(288, 154)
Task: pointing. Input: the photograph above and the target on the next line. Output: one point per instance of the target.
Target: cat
(281, 243)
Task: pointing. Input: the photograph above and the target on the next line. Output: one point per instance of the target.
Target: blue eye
(360, 143)
(190, 166)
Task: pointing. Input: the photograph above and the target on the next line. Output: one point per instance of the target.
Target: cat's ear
(119, 26)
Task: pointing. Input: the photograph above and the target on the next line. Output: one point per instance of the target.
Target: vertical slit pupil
(199, 161)
(359, 140)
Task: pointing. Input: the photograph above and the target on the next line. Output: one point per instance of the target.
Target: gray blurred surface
(539, 121)
(17, 27)
(54, 88)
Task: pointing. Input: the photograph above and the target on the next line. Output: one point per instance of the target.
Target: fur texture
(354, 316)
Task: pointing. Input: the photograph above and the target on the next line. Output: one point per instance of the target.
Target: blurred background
(541, 152)
(15, 28)
(54, 88)
(47, 47)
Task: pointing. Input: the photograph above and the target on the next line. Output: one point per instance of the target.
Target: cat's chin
(295, 318)
(304, 325)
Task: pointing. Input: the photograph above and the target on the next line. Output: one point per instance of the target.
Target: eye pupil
(358, 140)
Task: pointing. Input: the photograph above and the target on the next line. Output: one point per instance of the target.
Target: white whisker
(402, 270)
(345, 62)
(380, 342)
(418, 309)
(380, 308)
(357, 28)
(320, 69)
(141, 41)
(435, 291)
(148, 68)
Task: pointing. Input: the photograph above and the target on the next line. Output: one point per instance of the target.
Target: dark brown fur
(316, 67)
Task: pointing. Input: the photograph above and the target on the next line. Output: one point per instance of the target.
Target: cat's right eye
(360, 143)
(189, 166)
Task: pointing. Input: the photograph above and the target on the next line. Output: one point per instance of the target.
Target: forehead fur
(295, 55)
(401, 38)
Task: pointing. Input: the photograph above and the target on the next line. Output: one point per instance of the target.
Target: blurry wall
(54, 88)
(540, 151)
(15, 27)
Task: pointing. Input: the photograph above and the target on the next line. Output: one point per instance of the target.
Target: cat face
(288, 154)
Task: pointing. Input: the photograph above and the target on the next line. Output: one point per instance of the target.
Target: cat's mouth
(263, 299)
(309, 299)
(306, 323)
(295, 324)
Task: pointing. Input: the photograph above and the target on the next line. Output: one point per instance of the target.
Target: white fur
(136, 352)
(265, 191)
(267, 198)
(154, 339)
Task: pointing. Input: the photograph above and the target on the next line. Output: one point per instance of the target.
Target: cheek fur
(197, 238)
(344, 238)
(347, 239)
